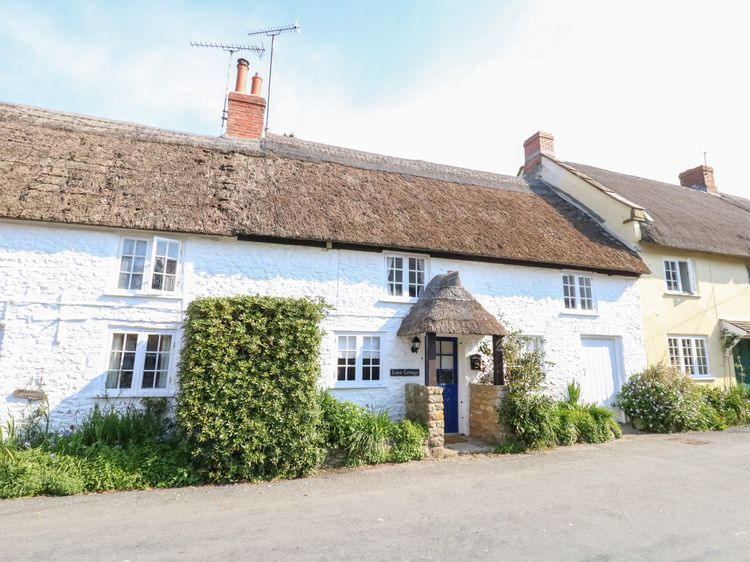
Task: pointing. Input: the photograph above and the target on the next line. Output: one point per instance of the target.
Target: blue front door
(447, 377)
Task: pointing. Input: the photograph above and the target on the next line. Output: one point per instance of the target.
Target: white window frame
(680, 355)
(577, 286)
(358, 382)
(136, 389)
(679, 280)
(148, 270)
(404, 296)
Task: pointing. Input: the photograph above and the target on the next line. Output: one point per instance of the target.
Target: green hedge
(248, 401)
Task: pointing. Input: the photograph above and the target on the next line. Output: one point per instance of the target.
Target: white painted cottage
(108, 230)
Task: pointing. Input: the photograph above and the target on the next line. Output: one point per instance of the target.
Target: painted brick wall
(58, 306)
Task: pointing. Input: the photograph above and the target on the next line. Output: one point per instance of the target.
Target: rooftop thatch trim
(682, 217)
(64, 168)
(447, 308)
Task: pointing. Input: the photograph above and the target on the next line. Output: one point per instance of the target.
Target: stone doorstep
(469, 446)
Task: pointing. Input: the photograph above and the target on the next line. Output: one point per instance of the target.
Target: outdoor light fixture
(415, 344)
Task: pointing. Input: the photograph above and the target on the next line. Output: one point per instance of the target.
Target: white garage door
(601, 380)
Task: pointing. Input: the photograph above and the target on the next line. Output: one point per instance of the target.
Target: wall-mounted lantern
(476, 362)
(415, 343)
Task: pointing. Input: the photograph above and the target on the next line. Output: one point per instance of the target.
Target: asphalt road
(642, 498)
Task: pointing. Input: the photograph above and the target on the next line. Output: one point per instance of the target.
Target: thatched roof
(65, 168)
(447, 308)
(683, 218)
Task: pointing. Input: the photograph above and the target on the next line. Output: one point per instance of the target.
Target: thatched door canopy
(447, 308)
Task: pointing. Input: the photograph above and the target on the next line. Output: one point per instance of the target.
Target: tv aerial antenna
(231, 48)
(272, 32)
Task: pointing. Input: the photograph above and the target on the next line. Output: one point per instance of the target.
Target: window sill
(683, 295)
(134, 395)
(703, 378)
(143, 295)
(359, 386)
(399, 300)
(572, 312)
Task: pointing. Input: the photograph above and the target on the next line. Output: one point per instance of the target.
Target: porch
(451, 323)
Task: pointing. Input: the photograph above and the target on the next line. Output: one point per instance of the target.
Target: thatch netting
(447, 308)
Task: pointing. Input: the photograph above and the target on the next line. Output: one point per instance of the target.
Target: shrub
(107, 452)
(363, 436)
(660, 399)
(248, 401)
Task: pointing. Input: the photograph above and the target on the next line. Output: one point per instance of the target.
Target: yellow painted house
(696, 242)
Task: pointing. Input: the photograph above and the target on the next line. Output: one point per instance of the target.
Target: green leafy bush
(537, 419)
(248, 401)
(107, 452)
(361, 436)
(661, 399)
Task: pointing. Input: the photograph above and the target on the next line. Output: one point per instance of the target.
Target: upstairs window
(149, 265)
(139, 361)
(358, 358)
(405, 276)
(679, 276)
(689, 355)
(577, 292)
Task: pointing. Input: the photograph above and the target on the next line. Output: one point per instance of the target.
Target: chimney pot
(700, 178)
(537, 144)
(256, 84)
(242, 68)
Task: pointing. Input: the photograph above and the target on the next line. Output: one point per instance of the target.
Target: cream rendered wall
(723, 293)
(614, 214)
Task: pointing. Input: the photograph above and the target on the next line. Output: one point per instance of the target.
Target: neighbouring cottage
(696, 300)
(108, 230)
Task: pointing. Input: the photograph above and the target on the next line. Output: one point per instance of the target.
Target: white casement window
(577, 292)
(679, 276)
(688, 354)
(358, 359)
(405, 276)
(139, 362)
(150, 265)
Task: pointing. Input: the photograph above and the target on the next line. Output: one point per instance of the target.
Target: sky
(640, 87)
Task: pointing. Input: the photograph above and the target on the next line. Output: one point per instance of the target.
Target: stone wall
(484, 421)
(424, 404)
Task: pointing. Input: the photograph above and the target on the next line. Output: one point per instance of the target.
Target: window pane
(126, 379)
(687, 356)
(161, 248)
(674, 353)
(128, 246)
(159, 265)
(156, 281)
(173, 250)
(112, 378)
(416, 277)
(569, 291)
(670, 272)
(136, 282)
(140, 248)
(131, 342)
(148, 379)
(685, 277)
(584, 290)
(700, 357)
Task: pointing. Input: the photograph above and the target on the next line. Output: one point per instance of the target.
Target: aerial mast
(272, 32)
(231, 48)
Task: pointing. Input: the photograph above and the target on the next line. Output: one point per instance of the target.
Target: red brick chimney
(245, 111)
(537, 144)
(700, 178)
